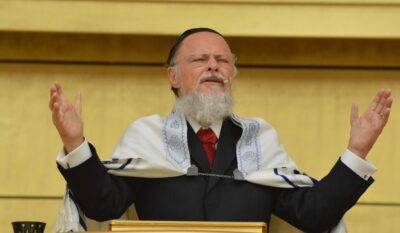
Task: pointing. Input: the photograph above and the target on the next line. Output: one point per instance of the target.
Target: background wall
(301, 66)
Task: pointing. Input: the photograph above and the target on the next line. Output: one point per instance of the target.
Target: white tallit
(156, 146)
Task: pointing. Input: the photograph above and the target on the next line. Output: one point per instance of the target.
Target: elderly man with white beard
(204, 163)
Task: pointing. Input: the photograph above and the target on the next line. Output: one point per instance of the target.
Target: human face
(200, 54)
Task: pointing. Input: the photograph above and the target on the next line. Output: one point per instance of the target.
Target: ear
(173, 77)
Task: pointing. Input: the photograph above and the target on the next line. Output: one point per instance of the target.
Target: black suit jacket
(103, 196)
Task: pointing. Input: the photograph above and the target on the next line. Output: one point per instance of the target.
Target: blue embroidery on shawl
(285, 178)
(247, 148)
(175, 140)
(313, 180)
(125, 164)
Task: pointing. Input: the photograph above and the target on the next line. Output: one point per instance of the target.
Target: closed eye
(199, 59)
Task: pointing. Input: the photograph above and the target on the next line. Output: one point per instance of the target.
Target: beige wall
(304, 86)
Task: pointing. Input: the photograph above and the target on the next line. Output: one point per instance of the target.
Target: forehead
(205, 43)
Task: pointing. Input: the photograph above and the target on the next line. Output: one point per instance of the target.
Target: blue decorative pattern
(313, 180)
(285, 178)
(247, 148)
(125, 164)
(175, 141)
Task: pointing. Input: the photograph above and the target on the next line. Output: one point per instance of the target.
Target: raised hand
(66, 117)
(365, 129)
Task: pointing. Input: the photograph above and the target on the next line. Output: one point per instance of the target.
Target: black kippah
(182, 37)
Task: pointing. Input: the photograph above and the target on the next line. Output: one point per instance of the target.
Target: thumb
(353, 113)
(78, 105)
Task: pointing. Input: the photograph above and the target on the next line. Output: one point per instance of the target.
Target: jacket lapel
(226, 151)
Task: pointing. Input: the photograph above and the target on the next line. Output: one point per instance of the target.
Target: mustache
(212, 75)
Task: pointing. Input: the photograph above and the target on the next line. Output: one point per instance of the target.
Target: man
(204, 163)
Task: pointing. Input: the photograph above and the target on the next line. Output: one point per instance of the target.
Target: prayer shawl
(156, 147)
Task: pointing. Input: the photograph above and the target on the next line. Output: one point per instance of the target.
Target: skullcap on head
(182, 37)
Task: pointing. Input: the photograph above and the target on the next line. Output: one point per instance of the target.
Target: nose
(212, 64)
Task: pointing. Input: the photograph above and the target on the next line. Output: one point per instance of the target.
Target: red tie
(208, 139)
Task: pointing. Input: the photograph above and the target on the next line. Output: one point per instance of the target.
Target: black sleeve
(321, 207)
(100, 195)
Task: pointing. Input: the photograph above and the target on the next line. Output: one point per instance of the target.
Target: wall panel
(266, 19)
(251, 51)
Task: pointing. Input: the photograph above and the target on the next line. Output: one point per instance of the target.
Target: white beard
(206, 109)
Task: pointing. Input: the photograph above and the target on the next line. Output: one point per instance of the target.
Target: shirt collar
(215, 127)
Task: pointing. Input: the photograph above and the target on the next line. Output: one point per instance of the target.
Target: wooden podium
(187, 227)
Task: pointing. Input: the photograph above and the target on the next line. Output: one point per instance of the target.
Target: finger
(389, 102)
(59, 89)
(56, 93)
(53, 99)
(353, 113)
(57, 114)
(375, 101)
(78, 105)
(385, 117)
(384, 95)
(387, 110)
(53, 89)
(60, 114)
(57, 98)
